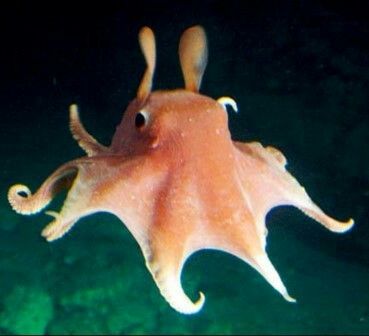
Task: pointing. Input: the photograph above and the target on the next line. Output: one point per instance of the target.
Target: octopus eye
(141, 119)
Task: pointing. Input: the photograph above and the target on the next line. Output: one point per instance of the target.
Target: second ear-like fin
(193, 55)
(147, 43)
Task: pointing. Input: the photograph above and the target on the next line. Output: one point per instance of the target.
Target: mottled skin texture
(178, 181)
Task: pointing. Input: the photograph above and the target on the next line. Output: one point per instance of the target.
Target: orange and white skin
(176, 179)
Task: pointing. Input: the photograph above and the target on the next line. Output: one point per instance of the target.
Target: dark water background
(299, 73)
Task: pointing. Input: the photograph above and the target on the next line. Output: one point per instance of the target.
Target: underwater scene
(147, 235)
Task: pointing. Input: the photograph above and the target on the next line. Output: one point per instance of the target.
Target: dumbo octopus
(176, 179)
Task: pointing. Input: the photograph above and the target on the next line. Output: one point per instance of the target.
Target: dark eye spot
(140, 120)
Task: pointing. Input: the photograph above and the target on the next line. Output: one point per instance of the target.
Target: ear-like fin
(147, 43)
(193, 55)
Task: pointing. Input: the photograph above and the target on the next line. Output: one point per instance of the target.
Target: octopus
(176, 179)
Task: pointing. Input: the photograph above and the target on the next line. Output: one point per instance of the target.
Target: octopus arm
(165, 265)
(67, 176)
(86, 179)
(24, 202)
(85, 140)
(272, 185)
(264, 183)
(175, 226)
